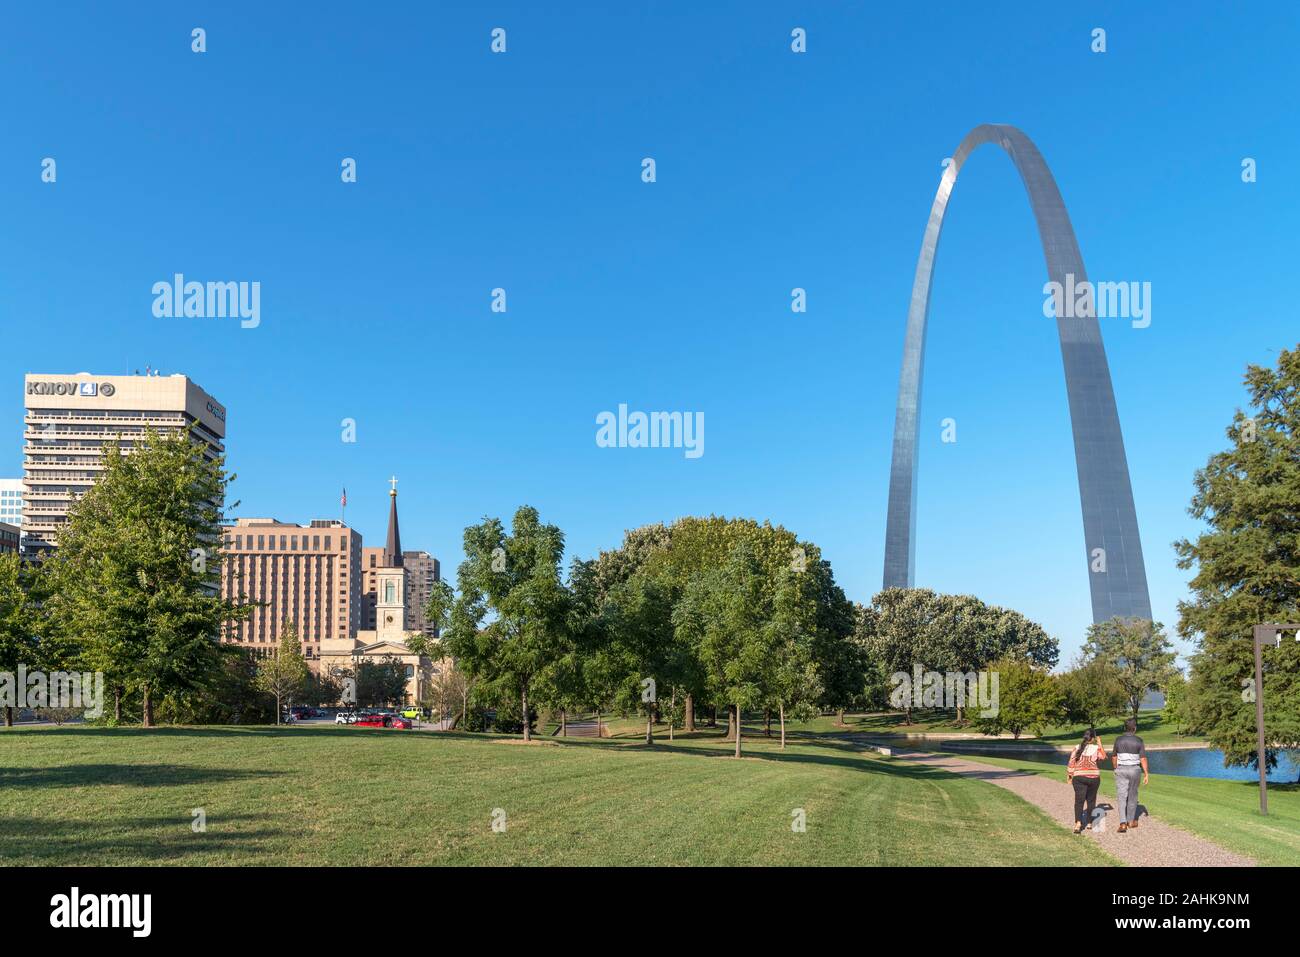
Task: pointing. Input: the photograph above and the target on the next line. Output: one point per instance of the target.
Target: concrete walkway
(1153, 844)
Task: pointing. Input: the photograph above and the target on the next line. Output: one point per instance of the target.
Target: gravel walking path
(1152, 844)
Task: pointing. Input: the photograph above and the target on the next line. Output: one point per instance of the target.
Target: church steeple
(393, 547)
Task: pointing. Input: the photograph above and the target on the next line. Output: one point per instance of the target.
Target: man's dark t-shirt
(1128, 751)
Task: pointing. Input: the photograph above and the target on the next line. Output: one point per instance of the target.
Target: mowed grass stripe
(353, 796)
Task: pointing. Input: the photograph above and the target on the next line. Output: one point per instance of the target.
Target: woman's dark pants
(1085, 798)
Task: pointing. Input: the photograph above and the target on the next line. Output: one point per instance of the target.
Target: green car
(412, 711)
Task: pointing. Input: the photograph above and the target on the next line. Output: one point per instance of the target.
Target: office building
(11, 501)
(70, 418)
(308, 575)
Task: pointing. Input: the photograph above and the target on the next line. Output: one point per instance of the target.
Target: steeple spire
(393, 547)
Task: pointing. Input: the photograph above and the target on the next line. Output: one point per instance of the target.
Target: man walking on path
(1130, 763)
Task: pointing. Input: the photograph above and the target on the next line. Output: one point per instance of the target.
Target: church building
(388, 638)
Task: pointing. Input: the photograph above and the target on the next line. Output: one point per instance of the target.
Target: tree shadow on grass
(158, 840)
(830, 752)
(245, 731)
(135, 775)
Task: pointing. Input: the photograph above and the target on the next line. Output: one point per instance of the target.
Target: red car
(383, 721)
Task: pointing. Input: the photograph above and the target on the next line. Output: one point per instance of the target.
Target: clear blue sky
(775, 170)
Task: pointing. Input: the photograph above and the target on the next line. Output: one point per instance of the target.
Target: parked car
(301, 712)
(345, 717)
(414, 711)
(383, 721)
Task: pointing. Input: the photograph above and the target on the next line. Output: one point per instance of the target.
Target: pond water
(1184, 762)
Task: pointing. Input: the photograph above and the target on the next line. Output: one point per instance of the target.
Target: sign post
(1263, 633)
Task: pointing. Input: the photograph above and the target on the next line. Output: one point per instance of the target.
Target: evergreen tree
(1247, 570)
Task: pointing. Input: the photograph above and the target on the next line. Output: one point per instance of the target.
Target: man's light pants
(1126, 790)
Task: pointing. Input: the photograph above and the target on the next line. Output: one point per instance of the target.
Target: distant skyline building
(70, 418)
(9, 537)
(307, 575)
(11, 503)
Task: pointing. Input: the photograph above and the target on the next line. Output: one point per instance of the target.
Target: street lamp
(1263, 633)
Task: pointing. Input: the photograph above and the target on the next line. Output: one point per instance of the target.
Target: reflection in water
(1184, 762)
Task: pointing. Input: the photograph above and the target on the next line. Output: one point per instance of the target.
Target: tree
(1178, 703)
(723, 616)
(899, 630)
(284, 674)
(134, 583)
(646, 653)
(447, 695)
(20, 620)
(1247, 570)
(1092, 692)
(675, 555)
(1028, 700)
(905, 627)
(795, 686)
(1137, 650)
(516, 578)
(381, 682)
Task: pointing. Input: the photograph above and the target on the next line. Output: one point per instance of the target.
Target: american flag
(344, 500)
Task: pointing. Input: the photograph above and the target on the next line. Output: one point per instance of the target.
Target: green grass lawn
(78, 795)
(1226, 812)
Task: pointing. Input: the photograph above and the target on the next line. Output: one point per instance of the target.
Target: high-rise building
(70, 418)
(11, 501)
(308, 575)
(422, 570)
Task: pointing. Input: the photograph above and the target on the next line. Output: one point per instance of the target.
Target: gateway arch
(1113, 560)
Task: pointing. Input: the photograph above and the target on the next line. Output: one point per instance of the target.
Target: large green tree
(906, 627)
(1247, 569)
(134, 583)
(20, 621)
(1137, 651)
(673, 556)
(724, 616)
(1092, 692)
(1029, 699)
(510, 620)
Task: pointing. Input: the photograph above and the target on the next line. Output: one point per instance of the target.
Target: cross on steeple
(393, 482)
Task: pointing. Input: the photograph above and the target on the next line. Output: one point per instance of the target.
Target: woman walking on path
(1085, 776)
